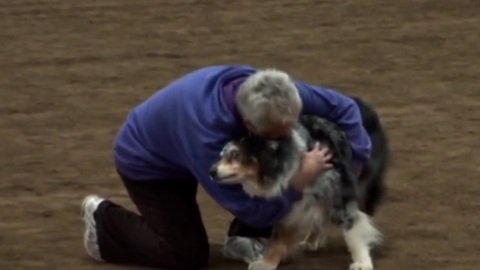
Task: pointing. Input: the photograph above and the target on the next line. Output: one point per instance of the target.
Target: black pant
(169, 233)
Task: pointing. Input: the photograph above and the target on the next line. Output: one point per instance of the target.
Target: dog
(338, 196)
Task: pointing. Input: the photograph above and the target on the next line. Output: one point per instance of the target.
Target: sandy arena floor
(71, 71)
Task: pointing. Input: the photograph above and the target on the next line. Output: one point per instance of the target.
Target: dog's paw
(307, 246)
(361, 266)
(261, 265)
(313, 245)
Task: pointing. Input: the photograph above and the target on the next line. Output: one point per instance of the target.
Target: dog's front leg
(359, 239)
(278, 248)
(316, 239)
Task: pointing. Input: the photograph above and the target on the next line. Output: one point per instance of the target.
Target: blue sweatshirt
(179, 131)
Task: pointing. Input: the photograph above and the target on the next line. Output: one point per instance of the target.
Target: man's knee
(194, 256)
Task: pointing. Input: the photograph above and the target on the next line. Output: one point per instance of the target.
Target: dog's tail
(372, 177)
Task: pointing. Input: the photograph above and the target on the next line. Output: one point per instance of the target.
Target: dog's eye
(234, 154)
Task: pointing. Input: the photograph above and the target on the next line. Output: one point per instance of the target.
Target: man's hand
(314, 162)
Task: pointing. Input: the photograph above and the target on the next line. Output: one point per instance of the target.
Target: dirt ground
(71, 71)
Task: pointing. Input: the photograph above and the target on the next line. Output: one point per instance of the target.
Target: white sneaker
(243, 248)
(89, 206)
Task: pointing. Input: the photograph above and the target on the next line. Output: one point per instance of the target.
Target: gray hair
(269, 96)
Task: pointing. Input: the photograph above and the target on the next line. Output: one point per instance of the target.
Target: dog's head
(256, 163)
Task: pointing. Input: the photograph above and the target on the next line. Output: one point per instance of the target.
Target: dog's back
(336, 188)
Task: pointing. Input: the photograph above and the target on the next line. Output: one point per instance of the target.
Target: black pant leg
(239, 228)
(168, 233)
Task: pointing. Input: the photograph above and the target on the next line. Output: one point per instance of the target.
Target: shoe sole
(85, 202)
(83, 211)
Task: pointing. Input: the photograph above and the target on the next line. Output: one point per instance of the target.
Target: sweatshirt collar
(230, 91)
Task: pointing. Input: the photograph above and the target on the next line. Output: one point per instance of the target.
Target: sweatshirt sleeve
(341, 110)
(254, 211)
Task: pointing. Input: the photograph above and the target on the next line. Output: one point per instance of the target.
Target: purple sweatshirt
(179, 131)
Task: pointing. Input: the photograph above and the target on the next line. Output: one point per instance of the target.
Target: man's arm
(341, 110)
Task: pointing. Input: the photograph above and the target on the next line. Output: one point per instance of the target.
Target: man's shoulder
(227, 67)
(223, 71)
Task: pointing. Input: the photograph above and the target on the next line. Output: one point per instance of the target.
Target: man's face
(273, 131)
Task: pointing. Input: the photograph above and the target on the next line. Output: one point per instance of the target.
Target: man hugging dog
(168, 143)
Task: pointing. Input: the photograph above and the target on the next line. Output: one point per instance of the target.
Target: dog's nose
(213, 172)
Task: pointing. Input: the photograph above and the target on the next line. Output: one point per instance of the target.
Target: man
(167, 145)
